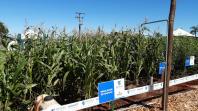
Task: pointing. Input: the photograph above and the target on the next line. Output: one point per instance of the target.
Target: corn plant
(70, 68)
(139, 45)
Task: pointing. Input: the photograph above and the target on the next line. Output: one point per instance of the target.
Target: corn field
(70, 68)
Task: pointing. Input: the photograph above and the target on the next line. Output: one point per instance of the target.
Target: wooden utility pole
(169, 54)
(80, 22)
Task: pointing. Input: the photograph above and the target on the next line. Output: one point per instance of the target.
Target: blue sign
(106, 91)
(187, 61)
(162, 67)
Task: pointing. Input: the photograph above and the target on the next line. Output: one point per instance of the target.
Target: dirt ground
(182, 101)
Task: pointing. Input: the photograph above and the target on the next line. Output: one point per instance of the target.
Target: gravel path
(183, 101)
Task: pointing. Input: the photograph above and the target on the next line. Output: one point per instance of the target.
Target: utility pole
(80, 22)
(169, 54)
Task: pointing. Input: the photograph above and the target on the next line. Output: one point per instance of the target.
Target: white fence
(131, 92)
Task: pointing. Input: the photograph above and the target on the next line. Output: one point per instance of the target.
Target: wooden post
(169, 54)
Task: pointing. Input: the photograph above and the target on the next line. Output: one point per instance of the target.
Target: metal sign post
(164, 73)
(112, 105)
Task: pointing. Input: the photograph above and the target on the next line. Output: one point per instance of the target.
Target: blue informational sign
(106, 91)
(162, 67)
(187, 61)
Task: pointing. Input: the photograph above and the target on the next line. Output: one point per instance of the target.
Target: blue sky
(104, 13)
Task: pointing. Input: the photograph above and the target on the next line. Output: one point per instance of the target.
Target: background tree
(3, 28)
(3, 32)
(194, 30)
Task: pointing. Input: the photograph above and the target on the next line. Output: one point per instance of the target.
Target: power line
(80, 18)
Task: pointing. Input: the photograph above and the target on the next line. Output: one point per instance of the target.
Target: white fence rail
(131, 92)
